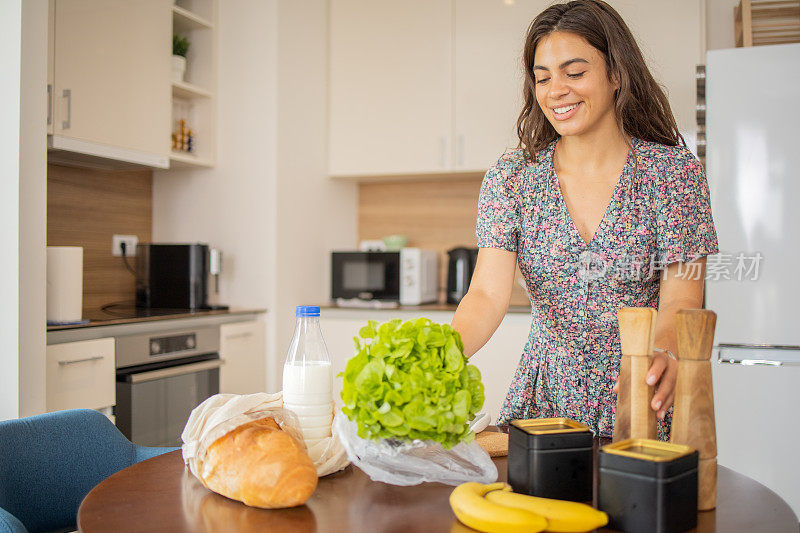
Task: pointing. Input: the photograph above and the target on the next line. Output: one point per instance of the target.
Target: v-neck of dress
(611, 202)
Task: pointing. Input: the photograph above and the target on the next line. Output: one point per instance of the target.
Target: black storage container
(648, 486)
(550, 458)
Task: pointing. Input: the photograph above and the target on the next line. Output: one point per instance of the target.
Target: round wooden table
(161, 495)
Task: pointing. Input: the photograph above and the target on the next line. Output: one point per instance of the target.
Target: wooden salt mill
(693, 415)
(634, 418)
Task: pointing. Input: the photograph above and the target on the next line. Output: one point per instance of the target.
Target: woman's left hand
(663, 373)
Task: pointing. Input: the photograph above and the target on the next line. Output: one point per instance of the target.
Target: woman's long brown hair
(640, 104)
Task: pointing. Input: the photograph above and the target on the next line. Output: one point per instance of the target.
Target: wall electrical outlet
(130, 245)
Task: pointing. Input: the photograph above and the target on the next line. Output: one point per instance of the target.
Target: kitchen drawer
(81, 375)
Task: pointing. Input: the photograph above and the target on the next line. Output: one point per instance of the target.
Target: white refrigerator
(753, 170)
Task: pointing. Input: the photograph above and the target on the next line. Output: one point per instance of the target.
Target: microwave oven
(408, 276)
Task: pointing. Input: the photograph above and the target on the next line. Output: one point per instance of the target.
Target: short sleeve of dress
(498, 209)
(685, 225)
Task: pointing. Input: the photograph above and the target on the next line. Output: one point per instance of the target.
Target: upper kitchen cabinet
(487, 58)
(436, 87)
(390, 87)
(110, 76)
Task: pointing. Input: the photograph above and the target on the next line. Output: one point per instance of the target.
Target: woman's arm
(681, 288)
(486, 302)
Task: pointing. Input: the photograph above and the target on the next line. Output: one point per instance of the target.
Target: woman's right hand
(486, 302)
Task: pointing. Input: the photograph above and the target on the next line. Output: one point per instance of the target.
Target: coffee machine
(175, 276)
(461, 265)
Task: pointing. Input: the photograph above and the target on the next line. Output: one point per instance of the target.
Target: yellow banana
(477, 512)
(562, 516)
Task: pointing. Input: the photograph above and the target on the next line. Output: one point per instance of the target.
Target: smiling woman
(609, 64)
(602, 206)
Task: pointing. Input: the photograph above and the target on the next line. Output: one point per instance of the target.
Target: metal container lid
(542, 426)
(648, 457)
(648, 450)
(549, 434)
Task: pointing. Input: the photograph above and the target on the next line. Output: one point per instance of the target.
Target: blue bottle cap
(306, 310)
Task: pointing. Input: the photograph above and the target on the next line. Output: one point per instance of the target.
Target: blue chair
(49, 462)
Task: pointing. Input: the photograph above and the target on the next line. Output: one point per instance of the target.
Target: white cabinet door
(338, 332)
(243, 348)
(81, 375)
(489, 37)
(112, 73)
(672, 42)
(390, 87)
(499, 358)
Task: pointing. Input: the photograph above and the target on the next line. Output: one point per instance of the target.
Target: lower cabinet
(243, 348)
(81, 375)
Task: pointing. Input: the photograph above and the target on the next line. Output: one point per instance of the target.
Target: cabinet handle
(68, 95)
(49, 103)
(73, 361)
(461, 150)
(243, 335)
(180, 370)
(442, 152)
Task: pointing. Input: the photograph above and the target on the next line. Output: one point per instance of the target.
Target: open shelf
(194, 96)
(186, 160)
(182, 89)
(184, 20)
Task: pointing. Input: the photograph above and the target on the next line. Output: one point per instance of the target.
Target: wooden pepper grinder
(634, 418)
(693, 416)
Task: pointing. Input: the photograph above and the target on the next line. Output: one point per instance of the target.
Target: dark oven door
(365, 275)
(154, 400)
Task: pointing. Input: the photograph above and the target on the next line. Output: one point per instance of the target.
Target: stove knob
(155, 347)
(190, 342)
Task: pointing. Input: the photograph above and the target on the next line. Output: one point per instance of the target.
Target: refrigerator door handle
(726, 353)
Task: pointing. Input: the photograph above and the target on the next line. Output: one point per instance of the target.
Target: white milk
(312, 379)
(307, 387)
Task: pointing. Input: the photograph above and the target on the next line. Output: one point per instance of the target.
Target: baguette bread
(260, 465)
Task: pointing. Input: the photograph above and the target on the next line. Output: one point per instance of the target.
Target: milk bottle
(307, 377)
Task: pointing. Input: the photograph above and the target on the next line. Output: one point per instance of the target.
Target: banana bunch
(495, 509)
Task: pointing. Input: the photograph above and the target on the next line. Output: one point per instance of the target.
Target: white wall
(719, 24)
(314, 214)
(10, 59)
(23, 201)
(33, 209)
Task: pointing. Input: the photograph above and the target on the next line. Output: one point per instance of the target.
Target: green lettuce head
(410, 380)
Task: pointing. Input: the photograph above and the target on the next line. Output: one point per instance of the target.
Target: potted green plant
(180, 45)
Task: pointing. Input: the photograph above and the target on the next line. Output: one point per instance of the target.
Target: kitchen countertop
(113, 327)
(98, 319)
(517, 309)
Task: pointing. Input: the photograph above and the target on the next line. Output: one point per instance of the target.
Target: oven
(161, 377)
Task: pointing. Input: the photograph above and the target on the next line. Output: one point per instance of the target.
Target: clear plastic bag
(410, 463)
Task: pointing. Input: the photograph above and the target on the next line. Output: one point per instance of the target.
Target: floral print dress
(659, 213)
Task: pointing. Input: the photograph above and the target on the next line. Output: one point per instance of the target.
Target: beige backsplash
(437, 215)
(85, 208)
